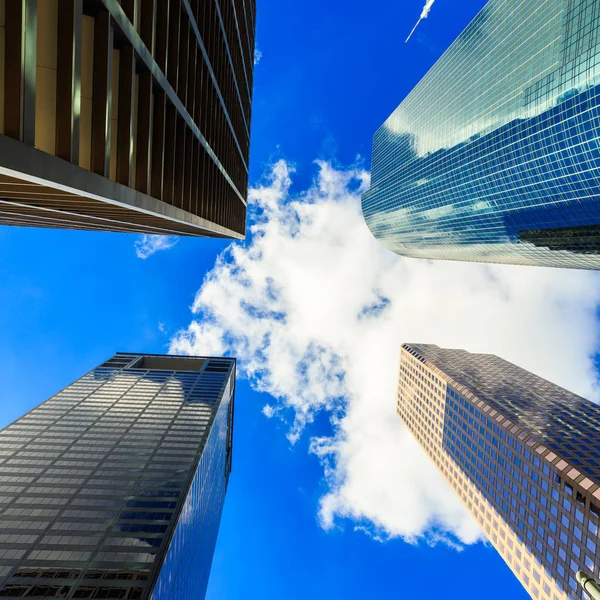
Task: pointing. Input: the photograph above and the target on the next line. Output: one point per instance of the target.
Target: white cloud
(316, 310)
(269, 411)
(148, 244)
(257, 56)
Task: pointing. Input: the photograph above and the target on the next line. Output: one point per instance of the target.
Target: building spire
(424, 15)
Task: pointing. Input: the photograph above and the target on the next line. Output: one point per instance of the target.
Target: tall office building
(113, 488)
(495, 155)
(126, 115)
(522, 454)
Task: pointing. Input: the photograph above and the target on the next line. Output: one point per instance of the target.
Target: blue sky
(329, 498)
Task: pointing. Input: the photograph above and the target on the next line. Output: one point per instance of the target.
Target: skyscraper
(126, 115)
(113, 488)
(522, 454)
(495, 155)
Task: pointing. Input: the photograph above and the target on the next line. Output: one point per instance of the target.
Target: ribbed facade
(495, 155)
(522, 454)
(114, 487)
(130, 115)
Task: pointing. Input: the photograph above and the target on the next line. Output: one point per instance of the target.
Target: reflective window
(493, 155)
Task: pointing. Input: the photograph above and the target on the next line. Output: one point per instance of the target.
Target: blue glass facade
(186, 567)
(495, 154)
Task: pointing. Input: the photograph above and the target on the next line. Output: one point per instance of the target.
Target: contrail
(424, 14)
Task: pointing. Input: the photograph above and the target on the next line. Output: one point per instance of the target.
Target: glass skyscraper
(522, 454)
(495, 155)
(113, 488)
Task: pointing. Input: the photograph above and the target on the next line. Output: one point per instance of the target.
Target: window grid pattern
(498, 164)
(196, 532)
(97, 482)
(539, 511)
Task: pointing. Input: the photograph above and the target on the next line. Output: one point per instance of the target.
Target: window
(37, 591)
(563, 537)
(562, 554)
(542, 515)
(108, 592)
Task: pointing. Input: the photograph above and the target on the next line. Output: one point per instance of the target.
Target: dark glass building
(495, 155)
(126, 115)
(522, 454)
(113, 488)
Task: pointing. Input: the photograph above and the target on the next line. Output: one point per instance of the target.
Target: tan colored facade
(136, 112)
(424, 391)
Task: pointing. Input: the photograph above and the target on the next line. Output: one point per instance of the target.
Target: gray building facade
(522, 454)
(114, 487)
(495, 155)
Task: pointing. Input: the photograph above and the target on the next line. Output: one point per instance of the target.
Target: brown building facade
(130, 115)
(522, 454)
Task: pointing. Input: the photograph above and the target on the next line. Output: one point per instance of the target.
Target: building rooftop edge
(556, 461)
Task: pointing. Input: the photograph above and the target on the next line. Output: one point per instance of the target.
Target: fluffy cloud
(257, 56)
(316, 310)
(149, 244)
